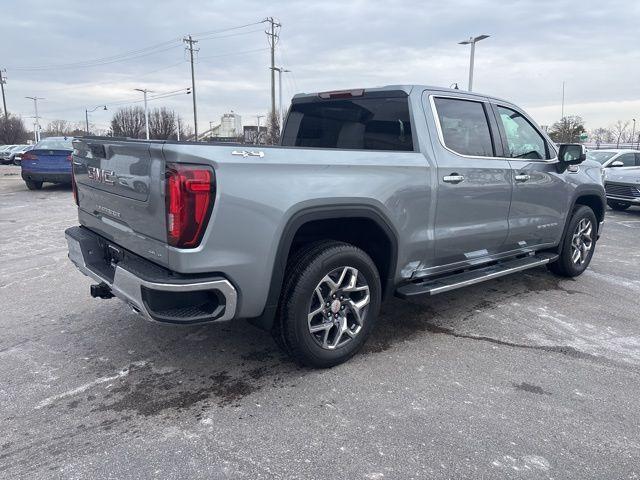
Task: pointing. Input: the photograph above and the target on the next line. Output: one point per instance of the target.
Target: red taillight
(69, 158)
(190, 191)
(29, 156)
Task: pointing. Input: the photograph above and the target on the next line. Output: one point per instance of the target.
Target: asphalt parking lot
(528, 376)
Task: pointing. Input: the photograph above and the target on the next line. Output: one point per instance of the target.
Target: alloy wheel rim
(338, 307)
(582, 242)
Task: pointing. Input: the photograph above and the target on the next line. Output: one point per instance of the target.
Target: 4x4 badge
(251, 153)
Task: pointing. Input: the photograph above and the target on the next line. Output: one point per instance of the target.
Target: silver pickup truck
(403, 190)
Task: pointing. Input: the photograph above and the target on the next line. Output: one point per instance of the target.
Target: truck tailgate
(120, 193)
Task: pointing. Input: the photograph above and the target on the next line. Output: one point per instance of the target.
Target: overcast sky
(534, 46)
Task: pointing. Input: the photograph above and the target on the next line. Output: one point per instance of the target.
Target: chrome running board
(471, 277)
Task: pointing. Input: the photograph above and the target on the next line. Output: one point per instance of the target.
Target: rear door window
(379, 123)
(465, 127)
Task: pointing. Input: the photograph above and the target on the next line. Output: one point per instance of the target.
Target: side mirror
(616, 163)
(572, 154)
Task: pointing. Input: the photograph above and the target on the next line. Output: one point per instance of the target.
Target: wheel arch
(591, 197)
(316, 214)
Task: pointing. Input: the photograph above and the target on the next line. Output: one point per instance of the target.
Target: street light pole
(280, 71)
(36, 129)
(472, 41)
(633, 132)
(86, 115)
(3, 80)
(258, 132)
(146, 111)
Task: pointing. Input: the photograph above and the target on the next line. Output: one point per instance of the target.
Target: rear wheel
(328, 305)
(618, 205)
(33, 185)
(578, 245)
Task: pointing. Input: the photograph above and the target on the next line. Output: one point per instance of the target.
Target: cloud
(534, 47)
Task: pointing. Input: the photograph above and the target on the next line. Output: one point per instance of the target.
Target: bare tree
(602, 135)
(273, 129)
(12, 130)
(57, 127)
(163, 124)
(618, 130)
(567, 130)
(128, 122)
(186, 132)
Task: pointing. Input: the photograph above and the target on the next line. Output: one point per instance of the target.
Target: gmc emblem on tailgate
(99, 175)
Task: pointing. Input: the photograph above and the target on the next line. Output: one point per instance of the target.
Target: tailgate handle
(98, 150)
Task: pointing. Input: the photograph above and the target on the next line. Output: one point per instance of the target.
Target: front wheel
(618, 205)
(33, 185)
(329, 304)
(578, 245)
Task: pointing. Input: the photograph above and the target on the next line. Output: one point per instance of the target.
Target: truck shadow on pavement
(154, 369)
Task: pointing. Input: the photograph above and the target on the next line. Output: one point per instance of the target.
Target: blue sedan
(48, 161)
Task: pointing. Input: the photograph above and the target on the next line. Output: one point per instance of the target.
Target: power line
(204, 39)
(135, 54)
(117, 103)
(95, 63)
(213, 32)
(137, 75)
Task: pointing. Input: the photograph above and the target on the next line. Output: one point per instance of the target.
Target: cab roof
(402, 88)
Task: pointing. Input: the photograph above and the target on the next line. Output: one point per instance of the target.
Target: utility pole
(280, 71)
(472, 41)
(36, 130)
(272, 36)
(146, 111)
(191, 42)
(3, 80)
(178, 125)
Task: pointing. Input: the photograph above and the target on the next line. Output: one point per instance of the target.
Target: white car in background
(17, 154)
(4, 151)
(615, 157)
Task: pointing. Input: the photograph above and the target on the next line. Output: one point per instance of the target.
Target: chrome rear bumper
(216, 297)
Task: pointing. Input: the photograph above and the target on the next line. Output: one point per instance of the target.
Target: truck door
(540, 193)
(474, 182)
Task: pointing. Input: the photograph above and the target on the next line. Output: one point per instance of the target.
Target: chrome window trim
(436, 118)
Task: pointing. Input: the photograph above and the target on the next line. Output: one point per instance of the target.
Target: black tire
(565, 266)
(33, 185)
(618, 205)
(305, 272)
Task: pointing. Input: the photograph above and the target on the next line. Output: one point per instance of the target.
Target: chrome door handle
(453, 178)
(523, 177)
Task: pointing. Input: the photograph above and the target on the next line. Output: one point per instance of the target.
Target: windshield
(55, 143)
(600, 157)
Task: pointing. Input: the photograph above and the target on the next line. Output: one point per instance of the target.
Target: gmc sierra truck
(400, 190)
